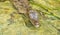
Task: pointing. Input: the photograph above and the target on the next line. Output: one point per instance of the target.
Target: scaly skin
(20, 5)
(23, 7)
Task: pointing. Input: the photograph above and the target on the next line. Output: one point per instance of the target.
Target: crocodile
(23, 7)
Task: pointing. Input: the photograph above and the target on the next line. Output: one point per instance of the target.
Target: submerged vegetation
(12, 23)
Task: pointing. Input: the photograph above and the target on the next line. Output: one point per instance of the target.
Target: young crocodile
(23, 7)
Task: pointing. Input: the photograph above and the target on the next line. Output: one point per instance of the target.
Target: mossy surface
(50, 20)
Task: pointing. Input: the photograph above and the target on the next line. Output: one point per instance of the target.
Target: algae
(50, 21)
